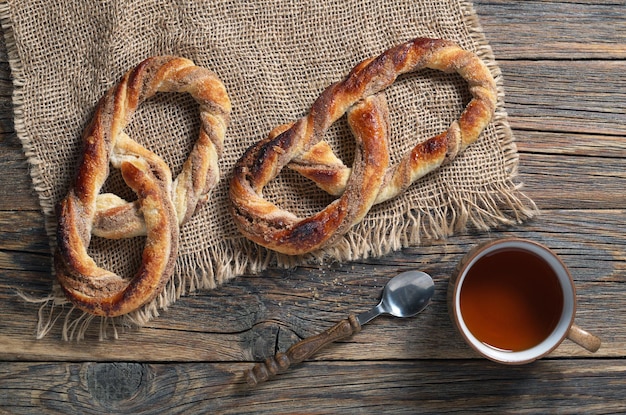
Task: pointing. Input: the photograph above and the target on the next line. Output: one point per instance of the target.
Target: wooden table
(563, 64)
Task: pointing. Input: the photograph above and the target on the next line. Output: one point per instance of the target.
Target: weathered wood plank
(549, 386)
(554, 29)
(23, 231)
(16, 188)
(560, 96)
(252, 316)
(563, 143)
(586, 224)
(562, 182)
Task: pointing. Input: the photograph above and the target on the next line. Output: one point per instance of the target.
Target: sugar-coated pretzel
(300, 146)
(162, 204)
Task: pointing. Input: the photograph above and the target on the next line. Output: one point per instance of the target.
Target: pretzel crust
(300, 146)
(162, 204)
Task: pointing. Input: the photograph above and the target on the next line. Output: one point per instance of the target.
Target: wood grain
(254, 316)
(574, 97)
(544, 29)
(562, 64)
(332, 387)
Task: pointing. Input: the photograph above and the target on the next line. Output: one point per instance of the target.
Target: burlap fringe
(226, 261)
(76, 323)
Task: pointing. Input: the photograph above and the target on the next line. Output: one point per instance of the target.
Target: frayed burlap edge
(504, 204)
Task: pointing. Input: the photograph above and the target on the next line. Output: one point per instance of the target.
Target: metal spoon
(405, 295)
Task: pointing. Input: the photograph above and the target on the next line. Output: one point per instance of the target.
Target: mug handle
(583, 338)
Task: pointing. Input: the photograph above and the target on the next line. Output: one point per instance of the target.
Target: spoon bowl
(405, 295)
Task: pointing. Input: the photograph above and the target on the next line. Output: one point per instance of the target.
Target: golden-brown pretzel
(300, 146)
(162, 204)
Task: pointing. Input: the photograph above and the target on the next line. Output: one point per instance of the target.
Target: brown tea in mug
(511, 299)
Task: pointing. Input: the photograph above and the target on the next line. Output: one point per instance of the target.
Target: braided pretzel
(162, 205)
(300, 146)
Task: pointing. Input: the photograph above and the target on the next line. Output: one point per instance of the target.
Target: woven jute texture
(274, 57)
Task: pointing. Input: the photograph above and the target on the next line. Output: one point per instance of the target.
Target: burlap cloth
(274, 57)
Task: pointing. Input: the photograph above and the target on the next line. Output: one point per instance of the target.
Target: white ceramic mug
(563, 327)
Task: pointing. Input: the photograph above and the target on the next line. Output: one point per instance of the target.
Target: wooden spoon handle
(301, 351)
